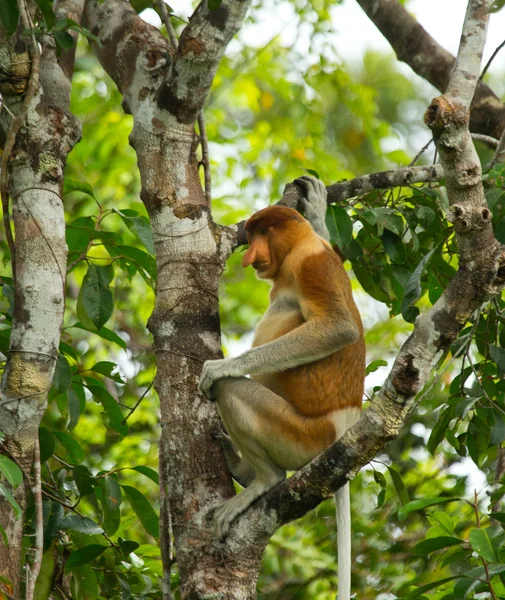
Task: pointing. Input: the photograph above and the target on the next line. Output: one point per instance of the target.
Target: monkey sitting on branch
(306, 366)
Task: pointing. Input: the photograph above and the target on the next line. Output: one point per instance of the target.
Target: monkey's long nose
(249, 257)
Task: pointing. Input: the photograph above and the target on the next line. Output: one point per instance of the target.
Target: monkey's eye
(264, 230)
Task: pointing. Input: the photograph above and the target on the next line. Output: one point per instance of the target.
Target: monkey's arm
(314, 204)
(313, 340)
(328, 327)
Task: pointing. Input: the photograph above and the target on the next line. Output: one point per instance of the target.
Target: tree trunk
(35, 168)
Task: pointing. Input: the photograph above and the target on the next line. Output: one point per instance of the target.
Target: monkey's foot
(226, 513)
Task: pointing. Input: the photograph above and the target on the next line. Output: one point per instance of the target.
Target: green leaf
(139, 225)
(400, 488)
(438, 432)
(106, 334)
(46, 8)
(53, 516)
(127, 547)
(71, 445)
(64, 39)
(112, 408)
(436, 543)
(71, 185)
(368, 284)
(394, 247)
(413, 289)
(148, 472)
(386, 218)
(143, 509)
(75, 406)
(80, 524)
(62, 377)
(405, 511)
(9, 16)
(11, 500)
(111, 501)
(465, 586)
(442, 519)
(47, 444)
(84, 480)
(135, 256)
(428, 587)
(481, 544)
(106, 368)
(313, 173)
(376, 364)
(497, 433)
(84, 583)
(10, 471)
(498, 355)
(95, 301)
(84, 556)
(339, 225)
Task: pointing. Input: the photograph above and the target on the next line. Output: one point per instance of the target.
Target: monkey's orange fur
(309, 272)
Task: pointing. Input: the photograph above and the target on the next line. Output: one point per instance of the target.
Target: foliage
(274, 112)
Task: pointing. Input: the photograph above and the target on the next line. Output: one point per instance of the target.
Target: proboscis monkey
(306, 366)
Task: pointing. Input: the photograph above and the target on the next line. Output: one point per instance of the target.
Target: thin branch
(488, 64)
(39, 525)
(415, 47)
(134, 408)
(343, 190)
(33, 84)
(168, 23)
(473, 36)
(485, 139)
(205, 157)
(499, 155)
(420, 153)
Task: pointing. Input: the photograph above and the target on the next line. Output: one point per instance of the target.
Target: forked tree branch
(343, 190)
(415, 47)
(477, 280)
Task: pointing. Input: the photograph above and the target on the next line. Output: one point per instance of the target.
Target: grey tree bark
(35, 170)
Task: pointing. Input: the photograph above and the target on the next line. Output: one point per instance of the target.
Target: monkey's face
(259, 256)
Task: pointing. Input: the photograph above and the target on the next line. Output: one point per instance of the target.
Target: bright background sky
(354, 32)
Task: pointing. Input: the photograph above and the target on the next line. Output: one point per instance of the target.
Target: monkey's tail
(343, 506)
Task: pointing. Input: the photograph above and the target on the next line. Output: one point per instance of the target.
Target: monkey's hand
(214, 370)
(314, 203)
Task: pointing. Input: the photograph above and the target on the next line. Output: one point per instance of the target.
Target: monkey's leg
(240, 469)
(270, 436)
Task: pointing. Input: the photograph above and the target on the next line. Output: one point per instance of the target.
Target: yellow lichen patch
(25, 378)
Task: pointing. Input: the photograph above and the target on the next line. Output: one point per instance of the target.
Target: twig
(205, 162)
(420, 153)
(33, 574)
(138, 402)
(74, 510)
(33, 84)
(493, 56)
